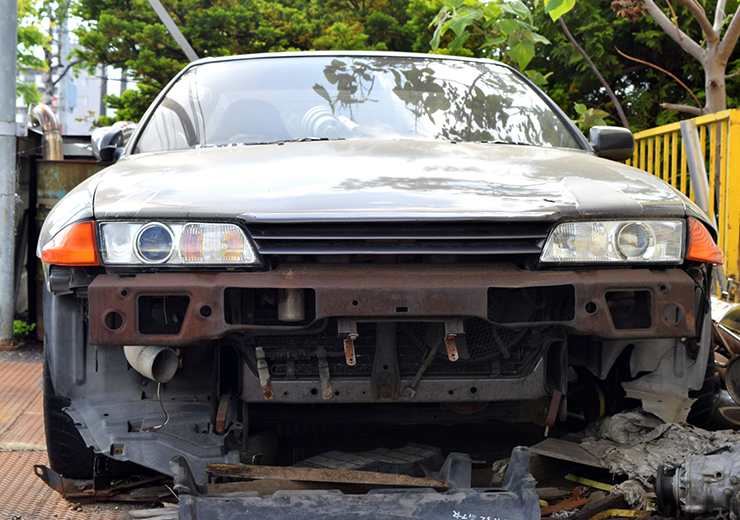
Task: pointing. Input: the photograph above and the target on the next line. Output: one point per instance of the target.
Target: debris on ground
(633, 491)
(414, 460)
(637, 443)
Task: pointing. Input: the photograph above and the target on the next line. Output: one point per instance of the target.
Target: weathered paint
(379, 180)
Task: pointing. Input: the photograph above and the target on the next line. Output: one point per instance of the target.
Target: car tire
(707, 397)
(68, 454)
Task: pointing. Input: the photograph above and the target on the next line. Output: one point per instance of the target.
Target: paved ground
(23, 496)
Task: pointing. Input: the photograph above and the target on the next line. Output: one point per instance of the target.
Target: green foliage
(496, 29)
(128, 34)
(350, 38)
(30, 39)
(21, 329)
(558, 8)
(597, 28)
(588, 117)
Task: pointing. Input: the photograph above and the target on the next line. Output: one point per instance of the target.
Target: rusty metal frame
(395, 293)
(145, 490)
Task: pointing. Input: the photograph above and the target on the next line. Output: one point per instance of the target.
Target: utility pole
(8, 41)
(62, 110)
(124, 80)
(103, 89)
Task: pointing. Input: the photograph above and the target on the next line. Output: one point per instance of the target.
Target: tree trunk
(714, 84)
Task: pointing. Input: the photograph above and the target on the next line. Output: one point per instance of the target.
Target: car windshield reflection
(261, 101)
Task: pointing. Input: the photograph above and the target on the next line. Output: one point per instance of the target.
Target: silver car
(302, 239)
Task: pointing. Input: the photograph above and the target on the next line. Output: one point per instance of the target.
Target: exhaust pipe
(51, 142)
(157, 363)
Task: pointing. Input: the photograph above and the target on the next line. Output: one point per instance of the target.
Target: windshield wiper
(281, 141)
(500, 141)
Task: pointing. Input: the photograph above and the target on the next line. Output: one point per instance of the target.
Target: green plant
(21, 329)
(588, 117)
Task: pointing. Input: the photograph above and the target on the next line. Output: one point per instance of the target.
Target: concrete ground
(23, 496)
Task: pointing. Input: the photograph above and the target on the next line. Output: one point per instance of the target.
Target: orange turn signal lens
(74, 245)
(701, 245)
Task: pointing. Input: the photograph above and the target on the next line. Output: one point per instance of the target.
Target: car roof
(351, 54)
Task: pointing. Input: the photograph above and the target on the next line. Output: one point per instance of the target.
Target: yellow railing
(660, 151)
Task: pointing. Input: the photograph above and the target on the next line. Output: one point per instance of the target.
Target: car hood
(379, 180)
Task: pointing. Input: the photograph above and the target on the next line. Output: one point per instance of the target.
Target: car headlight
(175, 243)
(616, 241)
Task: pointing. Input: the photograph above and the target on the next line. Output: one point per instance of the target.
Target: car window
(279, 99)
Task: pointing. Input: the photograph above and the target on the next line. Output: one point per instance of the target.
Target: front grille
(512, 354)
(400, 238)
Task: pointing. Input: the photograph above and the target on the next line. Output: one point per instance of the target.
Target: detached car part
(426, 240)
(515, 499)
(704, 484)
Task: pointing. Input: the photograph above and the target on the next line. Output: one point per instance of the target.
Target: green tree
(40, 23)
(128, 34)
(30, 39)
(710, 43)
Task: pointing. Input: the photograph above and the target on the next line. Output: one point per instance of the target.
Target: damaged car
(362, 238)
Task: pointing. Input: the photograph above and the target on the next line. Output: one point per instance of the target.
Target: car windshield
(270, 100)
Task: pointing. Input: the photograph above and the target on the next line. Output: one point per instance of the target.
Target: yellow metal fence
(660, 151)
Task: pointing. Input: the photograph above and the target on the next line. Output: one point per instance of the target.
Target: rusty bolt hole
(663, 288)
(314, 391)
(124, 293)
(355, 303)
(206, 311)
(113, 320)
(385, 367)
(591, 307)
(473, 390)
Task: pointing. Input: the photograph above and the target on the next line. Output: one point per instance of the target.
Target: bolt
(734, 480)
(728, 492)
(385, 393)
(733, 516)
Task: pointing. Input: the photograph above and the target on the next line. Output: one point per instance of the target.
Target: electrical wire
(167, 415)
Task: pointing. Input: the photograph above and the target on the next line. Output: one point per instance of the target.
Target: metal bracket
(349, 328)
(385, 380)
(223, 407)
(13, 129)
(452, 329)
(264, 373)
(324, 376)
(349, 349)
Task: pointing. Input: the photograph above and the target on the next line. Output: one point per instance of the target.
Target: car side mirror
(612, 142)
(108, 142)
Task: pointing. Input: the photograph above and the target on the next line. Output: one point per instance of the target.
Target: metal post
(8, 40)
(103, 88)
(62, 110)
(695, 161)
(173, 29)
(700, 182)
